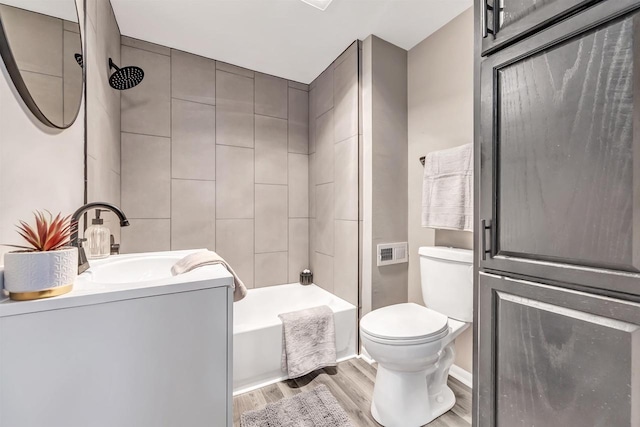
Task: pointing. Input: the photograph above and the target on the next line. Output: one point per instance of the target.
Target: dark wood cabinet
(560, 152)
(505, 21)
(556, 357)
(557, 146)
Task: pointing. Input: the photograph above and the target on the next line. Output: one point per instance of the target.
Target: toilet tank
(447, 281)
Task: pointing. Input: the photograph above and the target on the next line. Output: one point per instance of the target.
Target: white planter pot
(35, 275)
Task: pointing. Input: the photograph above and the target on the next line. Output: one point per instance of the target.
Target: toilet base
(410, 407)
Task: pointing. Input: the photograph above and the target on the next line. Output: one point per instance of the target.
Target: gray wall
(384, 109)
(103, 109)
(27, 146)
(216, 156)
(440, 71)
(333, 178)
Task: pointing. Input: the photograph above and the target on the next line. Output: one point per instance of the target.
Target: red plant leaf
(50, 233)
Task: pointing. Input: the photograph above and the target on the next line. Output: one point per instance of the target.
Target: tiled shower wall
(333, 184)
(216, 156)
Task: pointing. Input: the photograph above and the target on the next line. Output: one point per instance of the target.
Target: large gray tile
(323, 271)
(271, 269)
(193, 140)
(298, 247)
(193, 77)
(312, 243)
(146, 108)
(36, 40)
(324, 219)
(114, 139)
(193, 214)
(103, 185)
(323, 92)
(146, 235)
(235, 182)
(271, 218)
(234, 112)
(73, 27)
(114, 196)
(346, 97)
(346, 179)
(141, 44)
(108, 46)
(271, 96)
(234, 242)
(271, 150)
(229, 68)
(312, 121)
(300, 86)
(345, 258)
(298, 185)
(47, 92)
(92, 11)
(146, 176)
(298, 121)
(103, 134)
(312, 185)
(324, 148)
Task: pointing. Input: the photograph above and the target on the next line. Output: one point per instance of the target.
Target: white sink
(123, 269)
(139, 270)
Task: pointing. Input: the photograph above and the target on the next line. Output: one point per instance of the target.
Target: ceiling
(64, 9)
(285, 38)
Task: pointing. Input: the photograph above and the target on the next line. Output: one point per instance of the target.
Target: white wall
(40, 168)
(440, 82)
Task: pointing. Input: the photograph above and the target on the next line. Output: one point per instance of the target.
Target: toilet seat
(404, 324)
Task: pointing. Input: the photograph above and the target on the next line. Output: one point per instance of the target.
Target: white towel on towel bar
(447, 189)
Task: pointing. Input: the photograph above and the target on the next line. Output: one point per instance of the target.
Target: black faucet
(83, 263)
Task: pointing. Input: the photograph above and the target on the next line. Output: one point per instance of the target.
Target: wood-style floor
(351, 382)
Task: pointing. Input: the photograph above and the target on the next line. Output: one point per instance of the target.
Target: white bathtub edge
(283, 378)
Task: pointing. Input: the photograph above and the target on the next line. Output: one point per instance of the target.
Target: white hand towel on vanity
(447, 189)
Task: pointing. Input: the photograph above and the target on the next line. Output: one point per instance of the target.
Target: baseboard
(465, 377)
(279, 379)
(365, 356)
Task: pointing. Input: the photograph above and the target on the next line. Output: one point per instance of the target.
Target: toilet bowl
(414, 345)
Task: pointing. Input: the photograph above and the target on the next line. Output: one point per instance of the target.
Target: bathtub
(257, 331)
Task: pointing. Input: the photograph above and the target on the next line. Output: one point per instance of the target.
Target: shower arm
(112, 65)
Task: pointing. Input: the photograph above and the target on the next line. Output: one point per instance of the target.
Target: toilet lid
(404, 322)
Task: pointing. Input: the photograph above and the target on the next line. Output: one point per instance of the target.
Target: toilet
(414, 345)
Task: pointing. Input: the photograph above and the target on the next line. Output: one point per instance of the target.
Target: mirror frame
(18, 81)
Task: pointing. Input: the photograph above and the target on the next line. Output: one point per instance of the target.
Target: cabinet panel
(506, 20)
(160, 361)
(556, 357)
(560, 177)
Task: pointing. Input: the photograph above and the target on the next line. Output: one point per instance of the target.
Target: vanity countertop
(122, 277)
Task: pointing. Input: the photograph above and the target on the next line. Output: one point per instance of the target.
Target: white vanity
(130, 346)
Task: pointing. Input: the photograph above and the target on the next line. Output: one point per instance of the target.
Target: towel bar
(422, 160)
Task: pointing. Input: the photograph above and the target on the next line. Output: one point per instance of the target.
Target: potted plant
(48, 266)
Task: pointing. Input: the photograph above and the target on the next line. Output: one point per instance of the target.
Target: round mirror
(41, 47)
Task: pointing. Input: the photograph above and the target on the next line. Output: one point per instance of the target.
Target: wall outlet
(392, 253)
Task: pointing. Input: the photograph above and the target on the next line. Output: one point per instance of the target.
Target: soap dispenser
(98, 238)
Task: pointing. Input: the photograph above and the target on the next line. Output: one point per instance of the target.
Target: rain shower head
(126, 77)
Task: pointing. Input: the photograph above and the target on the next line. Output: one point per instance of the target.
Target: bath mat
(314, 408)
